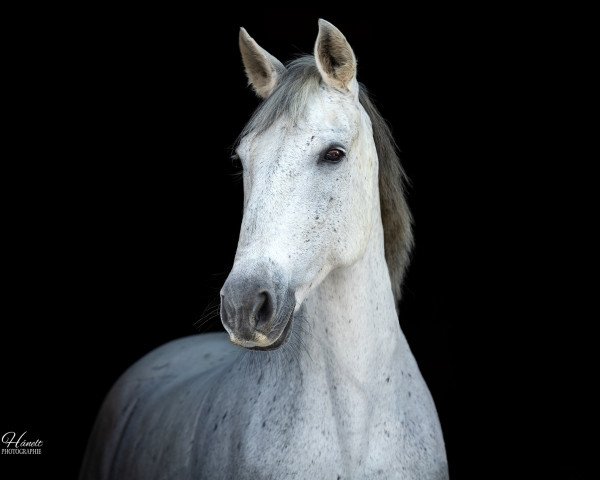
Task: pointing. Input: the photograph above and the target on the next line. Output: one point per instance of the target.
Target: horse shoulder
(424, 453)
(153, 376)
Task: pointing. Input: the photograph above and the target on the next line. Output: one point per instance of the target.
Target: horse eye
(236, 162)
(334, 155)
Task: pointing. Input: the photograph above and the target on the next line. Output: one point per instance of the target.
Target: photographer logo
(14, 444)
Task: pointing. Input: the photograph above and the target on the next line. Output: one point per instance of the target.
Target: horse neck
(352, 315)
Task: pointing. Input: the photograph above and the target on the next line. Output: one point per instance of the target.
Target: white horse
(315, 379)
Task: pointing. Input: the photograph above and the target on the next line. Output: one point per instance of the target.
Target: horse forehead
(331, 112)
(328, 116)
(328, 120)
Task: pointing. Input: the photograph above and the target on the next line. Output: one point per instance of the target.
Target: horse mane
(300, 80)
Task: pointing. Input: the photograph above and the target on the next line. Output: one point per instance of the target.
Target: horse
(313, 377)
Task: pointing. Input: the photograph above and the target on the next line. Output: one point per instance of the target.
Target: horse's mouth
(283, 336)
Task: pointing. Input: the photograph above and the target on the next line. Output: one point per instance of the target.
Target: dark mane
(300, 80)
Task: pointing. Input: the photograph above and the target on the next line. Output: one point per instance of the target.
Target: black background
(121, 212)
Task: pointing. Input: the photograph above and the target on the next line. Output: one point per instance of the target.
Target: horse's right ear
(262, 69)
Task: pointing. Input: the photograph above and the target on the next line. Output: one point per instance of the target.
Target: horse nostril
(264, 309)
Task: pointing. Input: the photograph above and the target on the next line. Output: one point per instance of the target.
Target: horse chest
(328, 432)
(315, 445)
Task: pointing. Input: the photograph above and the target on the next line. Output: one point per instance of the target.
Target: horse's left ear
(334, 56)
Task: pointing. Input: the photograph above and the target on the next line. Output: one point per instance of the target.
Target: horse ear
(334, 56)
(262, 69)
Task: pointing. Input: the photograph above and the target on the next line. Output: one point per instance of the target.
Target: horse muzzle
(257, 306)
